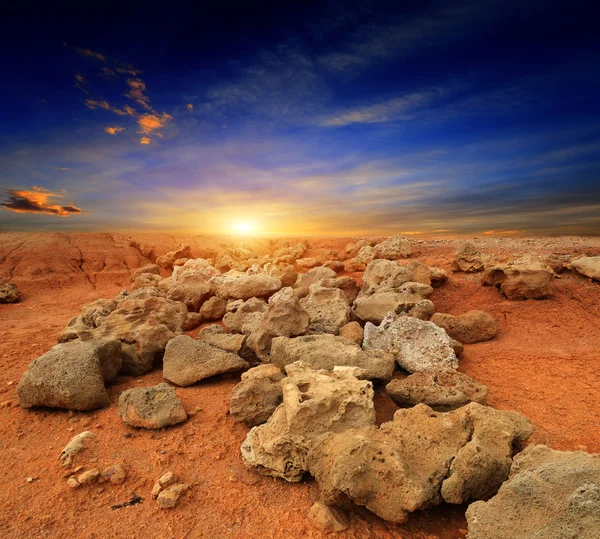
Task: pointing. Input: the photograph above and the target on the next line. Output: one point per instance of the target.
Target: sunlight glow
(244, 228)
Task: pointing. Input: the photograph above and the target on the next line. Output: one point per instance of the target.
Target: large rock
(144, 280)
(588, 266)
(151, 407)
(236, 343)
(327, 307)
(393, 248)
(346, 284)
(442, 390)
(419, 459)
(71, 375)
(152, 269)
(328, 351)
(285, 317)
(359, 263)
(313, 276)
(245, 316)
(191, 288)
(167, 260)
(238, 285)
(525, 278)
(257, 396)
(92, 315)
(384, 274)
(9, 293)
(188, 361)
(549, 495)
(468, 259)
(314, 403)
(471, 327)
(213, 309)
(416, 345)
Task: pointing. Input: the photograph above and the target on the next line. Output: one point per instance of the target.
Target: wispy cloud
(90, 54)
(137, 87)
(38, 200)
(113, 130)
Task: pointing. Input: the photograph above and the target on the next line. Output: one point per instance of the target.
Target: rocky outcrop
(238, 285)
(188, 361)
(442, 390)
(151, 407)
(314, 403)
(167, 260)
(328, 309)
(524, 278)
(416, 345)
(469, 259)
(71, 375)
(9, 293)
(419, 459)
(328, 351)
(393, 248)
(549, 495)
(471, 327)
(588, 266)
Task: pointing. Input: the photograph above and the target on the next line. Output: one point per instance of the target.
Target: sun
(243, 228)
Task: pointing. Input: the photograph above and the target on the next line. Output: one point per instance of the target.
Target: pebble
(89, 477)
(169, 496)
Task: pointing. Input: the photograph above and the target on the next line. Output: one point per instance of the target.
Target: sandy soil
(544, 363)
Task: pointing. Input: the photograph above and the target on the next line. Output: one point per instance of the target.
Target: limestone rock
(419, 459)
(329, 351)
(9, 293)
(468, 259)
(416, 345)
(238, 285)
(346, 284)
(213, 308)
(327, 307)
(152, 269)
(257, 396)
(588, 266)
(471, 327)
(361, 260)
(420, 272)
(314, 402)
(145, 280)
(71, 375)
(188, 361)
(327, 518)
(353, 331)
(166, 261)
(384, 274)
(92, 315)
(191, 288)
(287, 274)
(549, 495)
(442, 390)
(393, 248)
(75, 446)
(314, 276)
(151, 407)
(438, 276)
(169, 496)
(524, 278)
(245, 316)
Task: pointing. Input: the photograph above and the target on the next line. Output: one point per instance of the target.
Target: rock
(287, 274)
(419, 459)
(197, 266)
(442, 390)
(588, 266)
(471, 327)
(384, 274)
(166, 479)
(116, 474)
(328, 351)
(549, 495)
(393, 248)
(285, 317)
(314, 276)
(420, 272)
(92, 315)
(257, 396)
(416, 345)
(335, 265)
(304, 264)
(235, 343)
(213, 308)
(237, 285)
(191, 288)
(457, 346)
(353, 331)
(145, 280)
(72, 482)
(364, 256)
(188, 361)
(88, 477)
(327, 518)
(169, 496)
(76, 445)
(151, 407)
(557, 262)
(314, 402)
(438, 277)
(245, 317)
(166, 261)
(152, 269)
(147, 251)
(468, 259)
(9, 293)
(192, 321)
(346, 284)
(524, 278)
(327, 307)
(71, 375)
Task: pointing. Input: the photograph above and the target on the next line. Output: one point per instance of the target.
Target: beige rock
(245, 316)
(88, 477)
(524, 278)
(75, 446)
(151, 407)
(169, 496)
(257, 396)
(327, 308)
(191, 288)
(327, 518)
(346, 284)
(335, 265)
(147, 280)
(384, 274)
(471, 327)
(166, 261)
(352, 331)
(213, 308)
(92, 315)
(588, 266)
(148, 268)
(438, 276)
(314, 276)
(238, 285)
(469, 259)
(304, 264)
(393, 248)
(9, 293)
(286, 273)
(116, 474)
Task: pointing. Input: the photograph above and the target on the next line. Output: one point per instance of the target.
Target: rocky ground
(543, 364)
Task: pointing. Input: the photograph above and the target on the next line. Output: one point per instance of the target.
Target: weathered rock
(384, 274)
(525, 278)
(314, 402)
(197, 266)
(304, 264)
(359, 263)
(9, 293)
(468, 259)
(213, 308)
(151, 407)
(147, 251)
(188, 361)
(419, 459)
(335, 265)
(238, 285)
(438, 276)
(353, 331)
(457, 346)
(287, 274)
(393, 248)
(328, 351)
(115, 474)
(75, 446)
(416, 345)
(169, 496)
(471, 327)
(88, 477)
(71, 375)
(549, 495)
(442, 390)
(145, 280)
(314, 276)
(191, 288)
(588, 266)
(327, 307)
(420, 272)
(92, 315)
(557, 262)
(346, 284)
(285, 317)
(246, 316)
(166, 261)
(152, 269)
(257, 396)
(192, 321)
(165, 480)
(327, 518)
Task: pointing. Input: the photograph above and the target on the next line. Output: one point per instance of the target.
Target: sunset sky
(301, 117)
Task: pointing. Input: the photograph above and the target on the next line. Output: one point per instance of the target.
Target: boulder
(191, 288)
(557, 262)
(438, 276)
(151, 407)
(471, 327)
(442, 390)
(152, 269)
(420, 272)
(393, 248)
(327, 307)
(384, 274)
(314, 403)
(346, 284)
(419, 459)
(71, 375)
(588, 266)
(167, 260)
(524, 278)
(417, 345)
(327, 518)
(353, 331)
(238, 285)
(314, 276)
(188, 361)
(257, 396)
(145, 280)
(549, 495)
(92, 315)
(286, 273)
(328, 351)
(235, 343)
(245, 316)
(468, 259)
(304, 264)
(213, 309)
(335, 265)
(197, 266)
(9, 293)
(364, 256)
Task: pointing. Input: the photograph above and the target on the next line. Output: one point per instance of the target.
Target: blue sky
(302, 118)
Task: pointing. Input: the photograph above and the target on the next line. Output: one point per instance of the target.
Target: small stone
(72, 482)
(89, 477)
(169, 497)
(116, 474)
(166, 479)
(327, 518)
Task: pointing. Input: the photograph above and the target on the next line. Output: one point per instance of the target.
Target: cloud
(113, 130)
(108, 73)
(38, 200)
(81, 83)
(150, 124)
(137, 87)
(103, 104)
(91, 54)
(189, 106)
(145, 140)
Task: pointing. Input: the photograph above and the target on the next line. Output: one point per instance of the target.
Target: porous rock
(327, 307)
(588, 266)
(191, 288)
(353, 331)
(245, 316)
(327, 518)
(393, 248)
(468, 259)
(167, 260)
(257, 396)
(9, 293)
(238, 285)
(151, 407)
(471, 327)
(525, 278)
(384, 274)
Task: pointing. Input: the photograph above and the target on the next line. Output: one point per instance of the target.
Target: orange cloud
(145, 140)
(108, 73)
(113, 130)
(38, 200)
(150, 124)
(500, 232)
(137, 87)
(102, 104)
(189, 106)
(91, 54)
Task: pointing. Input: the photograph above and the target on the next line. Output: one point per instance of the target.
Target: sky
(299, 117)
